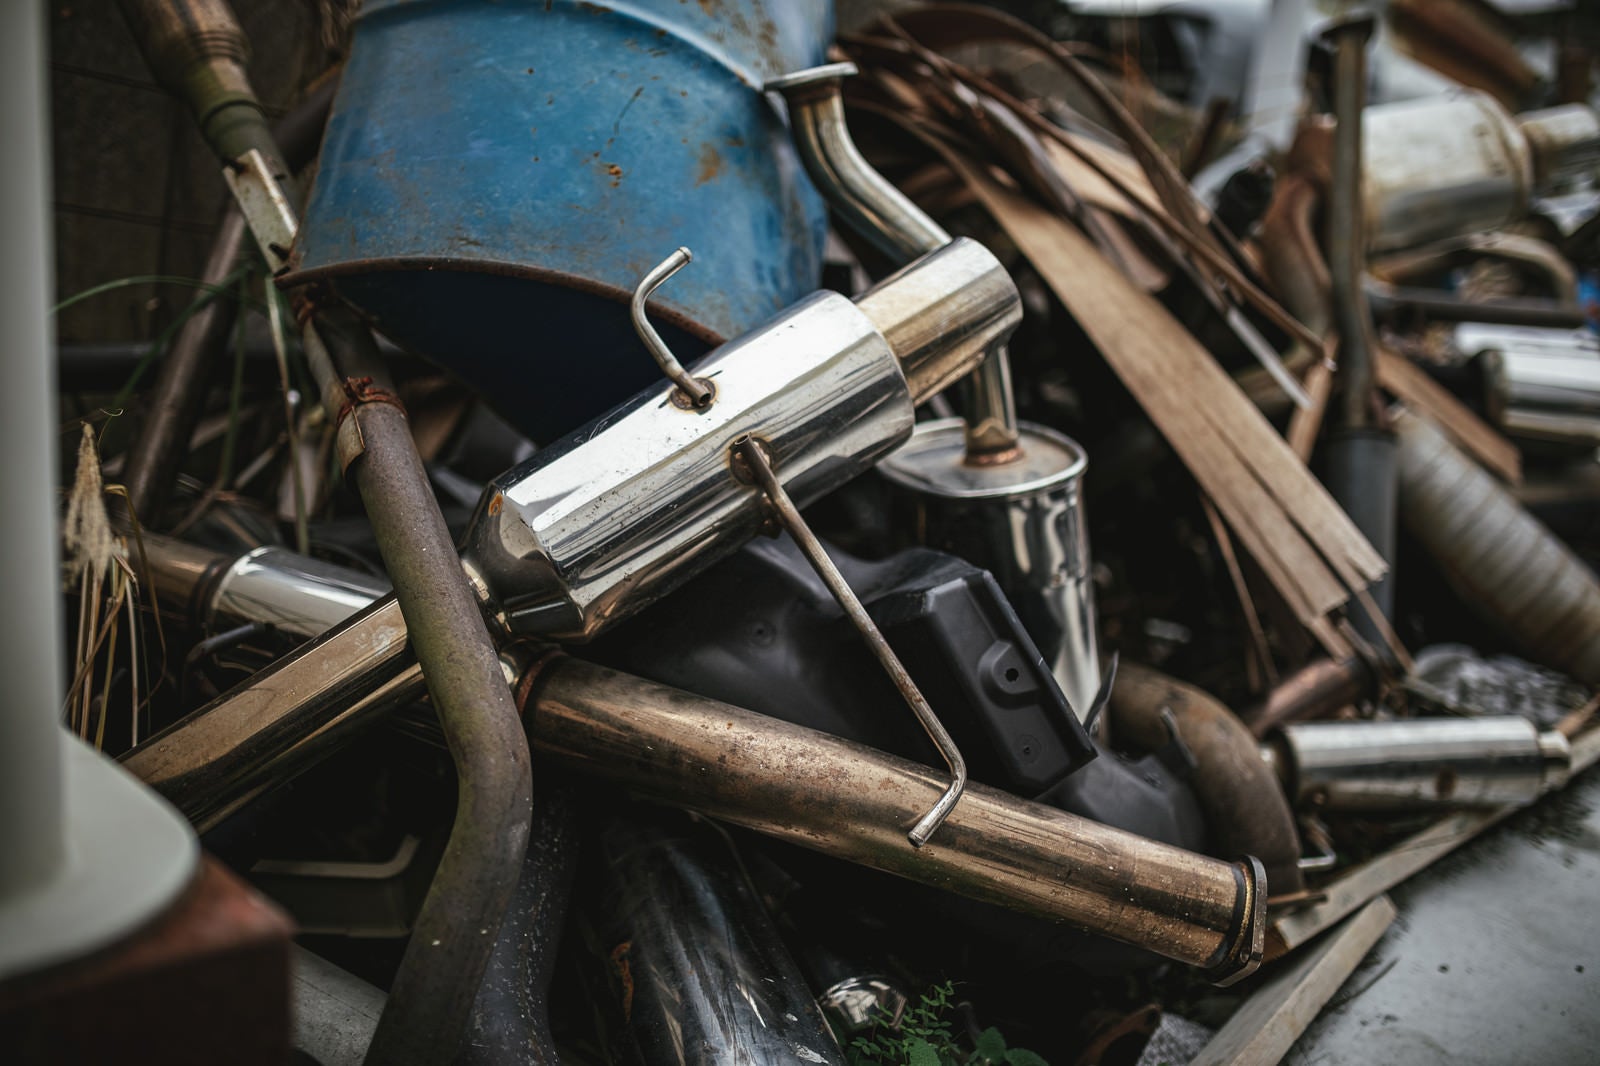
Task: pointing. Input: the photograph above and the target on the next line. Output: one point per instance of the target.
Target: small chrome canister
(1022, 519)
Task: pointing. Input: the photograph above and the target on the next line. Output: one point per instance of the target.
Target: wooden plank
(1303, 542)
(1092, 188)
(1166, 385)
(1417, 852)
(1307, 421)
(1412, 385)
(1266, 1026)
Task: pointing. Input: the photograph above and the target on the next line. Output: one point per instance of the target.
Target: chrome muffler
(1418, 763)
(1543, 385)
(605, 521)
(611, 518)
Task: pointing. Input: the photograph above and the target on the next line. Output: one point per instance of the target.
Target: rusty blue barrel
(497, 176)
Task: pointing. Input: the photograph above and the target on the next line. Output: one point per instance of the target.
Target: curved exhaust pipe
(898, 228)
(1245, 810)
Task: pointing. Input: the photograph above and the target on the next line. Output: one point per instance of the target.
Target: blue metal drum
(497, 176)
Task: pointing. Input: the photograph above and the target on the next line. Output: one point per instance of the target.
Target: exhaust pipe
(1316, 690)
(1418, 763)
(617, 514)
(751, 770)
(1245, 811)
(1360, 450)
(768, 775)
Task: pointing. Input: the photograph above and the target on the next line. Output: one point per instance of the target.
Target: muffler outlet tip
(943, 313)
(1241, 956)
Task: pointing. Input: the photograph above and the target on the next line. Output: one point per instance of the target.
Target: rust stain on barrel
(710, 163)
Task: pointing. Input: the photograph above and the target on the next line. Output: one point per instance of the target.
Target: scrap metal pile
(712, 533)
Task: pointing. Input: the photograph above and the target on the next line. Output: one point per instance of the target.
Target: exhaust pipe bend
(1245, 809)
(900, 229)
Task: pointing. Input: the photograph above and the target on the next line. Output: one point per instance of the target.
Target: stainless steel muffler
(1418, 763)
(609, 519)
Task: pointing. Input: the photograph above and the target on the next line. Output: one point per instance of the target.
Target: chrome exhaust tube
(885, 216)
(1418, 763)
(285, 719)
(296, 595)
(1545, 395)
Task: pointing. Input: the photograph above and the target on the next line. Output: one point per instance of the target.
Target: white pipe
(87, 854)
(31, 817)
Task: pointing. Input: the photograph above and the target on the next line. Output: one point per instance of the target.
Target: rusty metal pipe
(176, 400)
(854, 803)
(197, 49)
(429, 1005)
(1245, 810)
(511, 1016)
(1316, 690)
(1346, 226)
(1407, 304)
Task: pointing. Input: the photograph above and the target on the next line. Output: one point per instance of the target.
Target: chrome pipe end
(801, 83)
(943, 314)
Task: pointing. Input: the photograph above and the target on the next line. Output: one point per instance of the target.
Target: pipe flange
(1242, 954)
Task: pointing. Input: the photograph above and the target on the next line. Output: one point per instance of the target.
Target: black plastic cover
(762, 632)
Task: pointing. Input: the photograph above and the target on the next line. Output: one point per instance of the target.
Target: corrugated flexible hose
(1497, 555)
